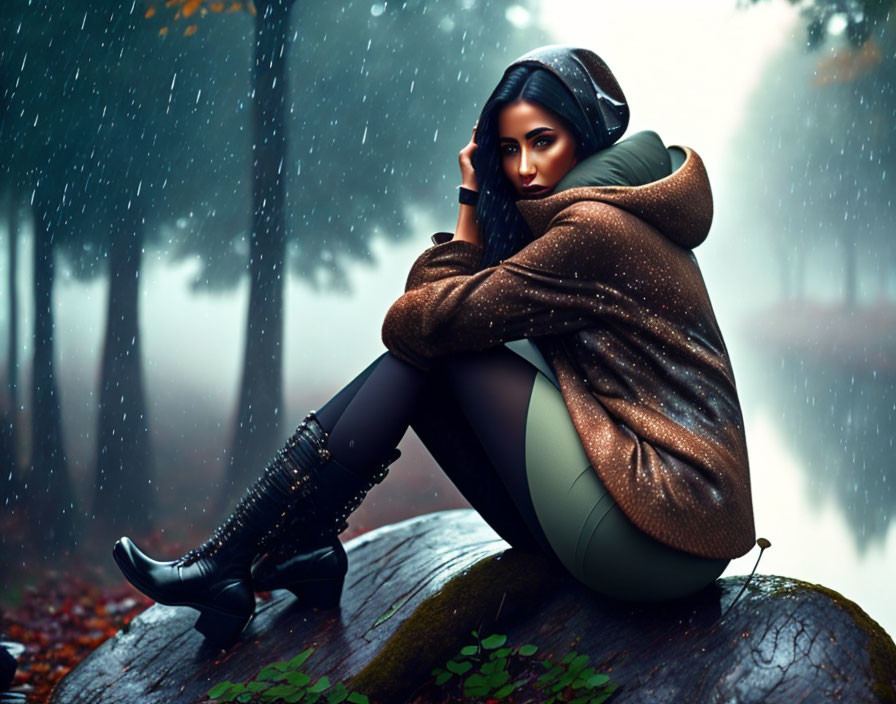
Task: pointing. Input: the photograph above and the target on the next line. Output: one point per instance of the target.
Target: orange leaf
(217, 6)
(191, 6)
(163, 31)
(150, 12)
(235, 7)
(252, 7)
(848, 64)
(191, 30)
(169, 3)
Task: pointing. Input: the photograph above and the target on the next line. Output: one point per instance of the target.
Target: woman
(558, 355)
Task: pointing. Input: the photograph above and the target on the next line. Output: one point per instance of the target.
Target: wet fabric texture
(611, 293)
(591, 83)
(587, 530)
(499, 429)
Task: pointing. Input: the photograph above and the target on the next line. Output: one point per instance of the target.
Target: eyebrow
(529, 135)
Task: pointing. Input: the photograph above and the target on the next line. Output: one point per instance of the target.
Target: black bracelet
(467, 196)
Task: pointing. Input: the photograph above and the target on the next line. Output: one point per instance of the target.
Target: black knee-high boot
(303, 498)
(311, 567)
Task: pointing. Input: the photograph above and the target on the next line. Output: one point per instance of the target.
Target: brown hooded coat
(612, 295)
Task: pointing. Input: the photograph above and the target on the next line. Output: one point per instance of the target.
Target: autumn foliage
(60, 621)
(187, 9)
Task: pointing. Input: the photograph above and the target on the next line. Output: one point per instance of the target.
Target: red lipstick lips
(535, 190)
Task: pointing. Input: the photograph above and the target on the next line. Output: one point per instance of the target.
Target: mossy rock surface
(416, 589)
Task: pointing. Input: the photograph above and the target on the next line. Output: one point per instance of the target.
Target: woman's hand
(467, 174)
(467, 228)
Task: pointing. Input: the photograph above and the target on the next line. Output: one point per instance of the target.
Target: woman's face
(536, 148)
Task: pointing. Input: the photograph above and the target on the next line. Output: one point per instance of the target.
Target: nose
(527, 167)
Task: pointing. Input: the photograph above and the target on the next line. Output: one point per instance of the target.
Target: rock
(416, 589)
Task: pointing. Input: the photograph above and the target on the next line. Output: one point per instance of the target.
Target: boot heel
(221, 629)
(319, 593)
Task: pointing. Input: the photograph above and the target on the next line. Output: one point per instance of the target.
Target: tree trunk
(851, 266)
(9, 479)
(883, 272)
(123, 496)
(785, 255)
(416, 591)
(12, 363)
(784, 277)
(257, 428)
(8, 425)
(47, 484)
(799, 275)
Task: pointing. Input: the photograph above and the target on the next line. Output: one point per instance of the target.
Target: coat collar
(679, 205)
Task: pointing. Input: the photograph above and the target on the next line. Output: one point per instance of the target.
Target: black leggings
(470, 413)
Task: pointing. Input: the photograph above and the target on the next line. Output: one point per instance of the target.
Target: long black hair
(502, 227)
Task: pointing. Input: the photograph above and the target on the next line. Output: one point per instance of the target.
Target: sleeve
(446, 258)
(450, 306)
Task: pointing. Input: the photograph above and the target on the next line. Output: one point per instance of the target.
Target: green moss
(880, 648)
(779, 587)
(508, 582)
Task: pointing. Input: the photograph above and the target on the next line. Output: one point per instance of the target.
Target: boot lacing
(286, 478)
(289, 480)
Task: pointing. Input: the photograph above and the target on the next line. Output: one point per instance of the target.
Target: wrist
(467, 228)
(467, 196)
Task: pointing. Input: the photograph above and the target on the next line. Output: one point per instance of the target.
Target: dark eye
(544, 141)
(508, 148)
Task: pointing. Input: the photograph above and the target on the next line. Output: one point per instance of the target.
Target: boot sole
(318, 593)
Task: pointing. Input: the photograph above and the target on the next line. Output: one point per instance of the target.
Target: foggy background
(126, 123)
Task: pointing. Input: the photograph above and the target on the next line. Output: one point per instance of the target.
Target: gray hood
(639, 159)
(591, 83)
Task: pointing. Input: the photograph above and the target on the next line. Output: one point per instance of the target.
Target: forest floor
(62, 609)
(60, 619)
(62, 613)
